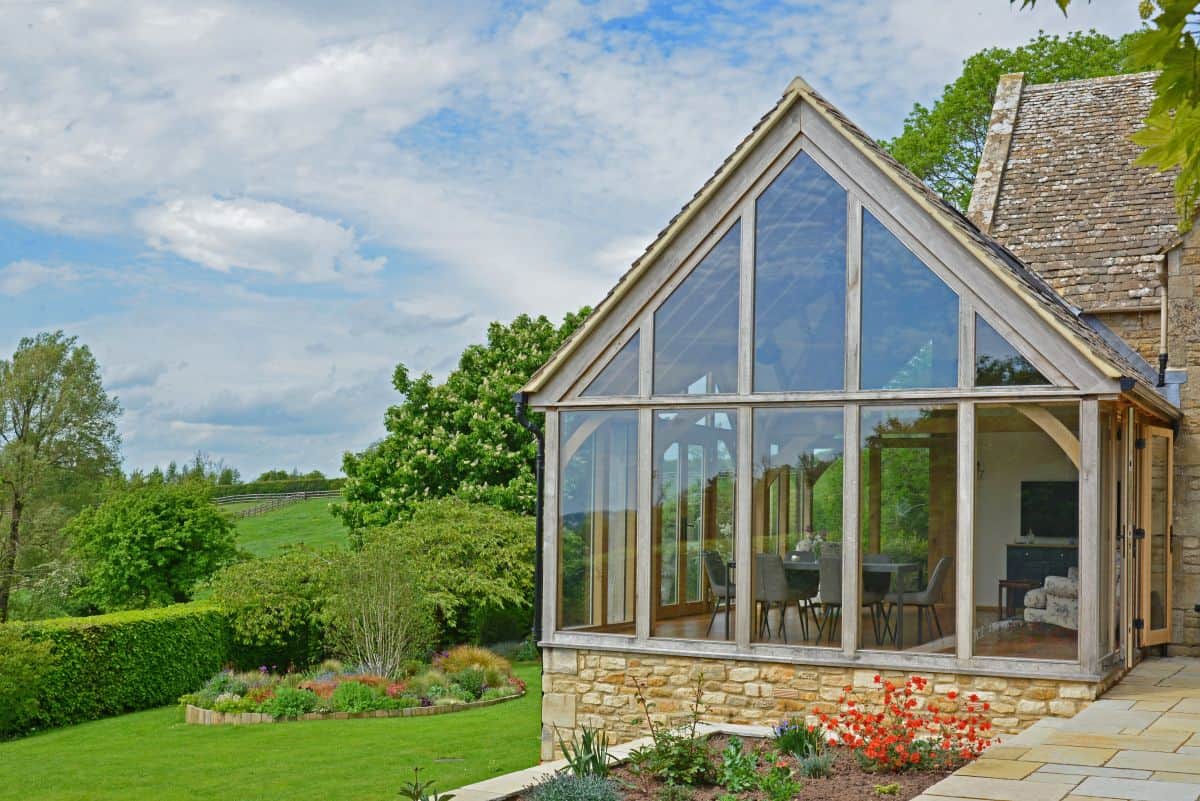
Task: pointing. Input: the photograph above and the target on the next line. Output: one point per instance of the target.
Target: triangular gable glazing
(998, 363)
(619, 376)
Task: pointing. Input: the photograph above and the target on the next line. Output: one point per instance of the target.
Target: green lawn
(154, 756)
(307, 522)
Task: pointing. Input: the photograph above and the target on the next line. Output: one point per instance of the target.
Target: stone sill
(207, 717)
(511, 784)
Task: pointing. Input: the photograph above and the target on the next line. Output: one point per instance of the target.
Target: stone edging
(208, 717)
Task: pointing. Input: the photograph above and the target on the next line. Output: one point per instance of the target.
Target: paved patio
(1139, 742)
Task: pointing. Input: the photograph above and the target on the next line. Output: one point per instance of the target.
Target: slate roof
(1071, 204)
(1028, 283)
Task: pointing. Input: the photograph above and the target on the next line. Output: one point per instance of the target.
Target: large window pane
(998, 363)
(1026, 530)
(797, 525)
(800, 281)
(909, 317)
(909, 506)
(696, 328)
(597, 545)
(620, 375)
(693, 523)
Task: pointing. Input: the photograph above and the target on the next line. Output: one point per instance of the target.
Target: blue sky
(252, 211)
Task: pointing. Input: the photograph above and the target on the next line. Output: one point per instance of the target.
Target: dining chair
(771, 588)
(875, 586)
(829, 596)
(718, 583)
(925, 599)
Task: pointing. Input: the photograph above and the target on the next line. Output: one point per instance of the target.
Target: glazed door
(1154, 543)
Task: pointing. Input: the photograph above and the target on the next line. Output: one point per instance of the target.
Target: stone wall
(598, 689)
(1183, 348)
(1138, 328)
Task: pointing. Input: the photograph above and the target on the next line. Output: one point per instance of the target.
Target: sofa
(1056, 602)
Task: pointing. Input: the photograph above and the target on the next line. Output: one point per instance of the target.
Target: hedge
(283, 485)
(127, 661)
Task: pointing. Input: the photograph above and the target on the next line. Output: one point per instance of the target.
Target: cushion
(1062, 587)
(1035, 599)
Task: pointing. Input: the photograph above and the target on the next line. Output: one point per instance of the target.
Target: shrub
(380, 617)
(472, 681)
(122, 662)
(466, 657)
(795, 738)
(676, 757)
(289, 703)
(739, 769)
(910, 734)
(492, 693)
(299, 484)
(778, 783)
(24, 664)
(275, 605)
(817, 766)
(568, 787)
(351, 696)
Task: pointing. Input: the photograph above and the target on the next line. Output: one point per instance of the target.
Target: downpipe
(521, 403)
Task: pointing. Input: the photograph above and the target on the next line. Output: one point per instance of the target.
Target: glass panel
(998, 363)
(693, 520)
(797, 525)
(696, 328)
(800, 281)
(1026, 531)
(909, 506)
(620, 375)
(909, 317)
(1159, 530)
(597, 543)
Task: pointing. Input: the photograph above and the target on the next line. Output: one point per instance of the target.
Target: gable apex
(1033, 292)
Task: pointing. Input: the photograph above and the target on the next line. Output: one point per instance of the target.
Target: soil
(849, 782)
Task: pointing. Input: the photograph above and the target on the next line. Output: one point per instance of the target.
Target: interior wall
(1007, 459)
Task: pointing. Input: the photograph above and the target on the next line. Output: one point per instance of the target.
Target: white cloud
(254, 235)
(24, 275)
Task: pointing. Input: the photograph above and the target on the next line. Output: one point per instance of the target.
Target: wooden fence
(269, 502)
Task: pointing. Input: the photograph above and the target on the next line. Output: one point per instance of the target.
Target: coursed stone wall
(598, 689)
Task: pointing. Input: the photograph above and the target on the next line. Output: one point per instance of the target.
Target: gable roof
(1003, 263)
(1069, 201)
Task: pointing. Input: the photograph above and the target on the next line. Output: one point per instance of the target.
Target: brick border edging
(208, 717)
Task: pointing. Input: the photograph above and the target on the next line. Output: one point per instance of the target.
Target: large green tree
(1171, 45)
(150, 544)
(58, 434)
(458, 437)
(942, 143)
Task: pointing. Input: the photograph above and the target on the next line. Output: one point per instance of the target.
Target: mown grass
(308, 522)
(155, 756)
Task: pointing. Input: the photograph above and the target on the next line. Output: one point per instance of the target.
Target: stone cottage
(827, 426)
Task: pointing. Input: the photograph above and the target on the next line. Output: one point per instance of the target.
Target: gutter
(521, 404)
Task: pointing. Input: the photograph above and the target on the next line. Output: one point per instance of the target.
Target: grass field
(307, 522)
(154, 756)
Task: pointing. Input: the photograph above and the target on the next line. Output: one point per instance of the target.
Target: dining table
(900, 571)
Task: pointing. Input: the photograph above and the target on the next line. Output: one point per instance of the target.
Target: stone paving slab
(1140, 742)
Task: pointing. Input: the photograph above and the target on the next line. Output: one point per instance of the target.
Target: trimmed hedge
(127, 661)
(281, 486)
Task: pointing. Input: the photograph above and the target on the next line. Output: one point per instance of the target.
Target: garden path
(1140, 742)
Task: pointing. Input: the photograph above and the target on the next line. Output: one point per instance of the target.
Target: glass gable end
(620, 375)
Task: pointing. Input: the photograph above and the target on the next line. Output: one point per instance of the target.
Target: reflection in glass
(998, 363)
(693, 523)
(1159, 529)
(800, 281)
(797, 524)
(909, 504)
(597, 546)
(1026, 530)
(696, 328)
(909, 317)
(620, 375)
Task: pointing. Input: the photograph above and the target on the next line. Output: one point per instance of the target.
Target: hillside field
(308, 522)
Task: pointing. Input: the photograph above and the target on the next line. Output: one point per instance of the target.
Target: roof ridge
(1074, 82)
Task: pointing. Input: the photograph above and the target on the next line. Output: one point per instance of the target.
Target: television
(1050, 508)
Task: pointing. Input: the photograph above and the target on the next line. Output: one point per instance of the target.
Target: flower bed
(904, 741)
(462, 678)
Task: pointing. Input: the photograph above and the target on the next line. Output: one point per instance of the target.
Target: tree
(1172, 133)
(459, 437)
(942, 144)
(149, 545)
(57, 426)
(476, 559)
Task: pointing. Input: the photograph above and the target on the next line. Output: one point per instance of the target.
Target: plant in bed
(739, 768)
(569, 787)
(675, 757)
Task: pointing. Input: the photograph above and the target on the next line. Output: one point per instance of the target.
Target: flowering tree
(458, 437)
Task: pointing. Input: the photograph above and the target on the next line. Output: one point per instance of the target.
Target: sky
(252, 211)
